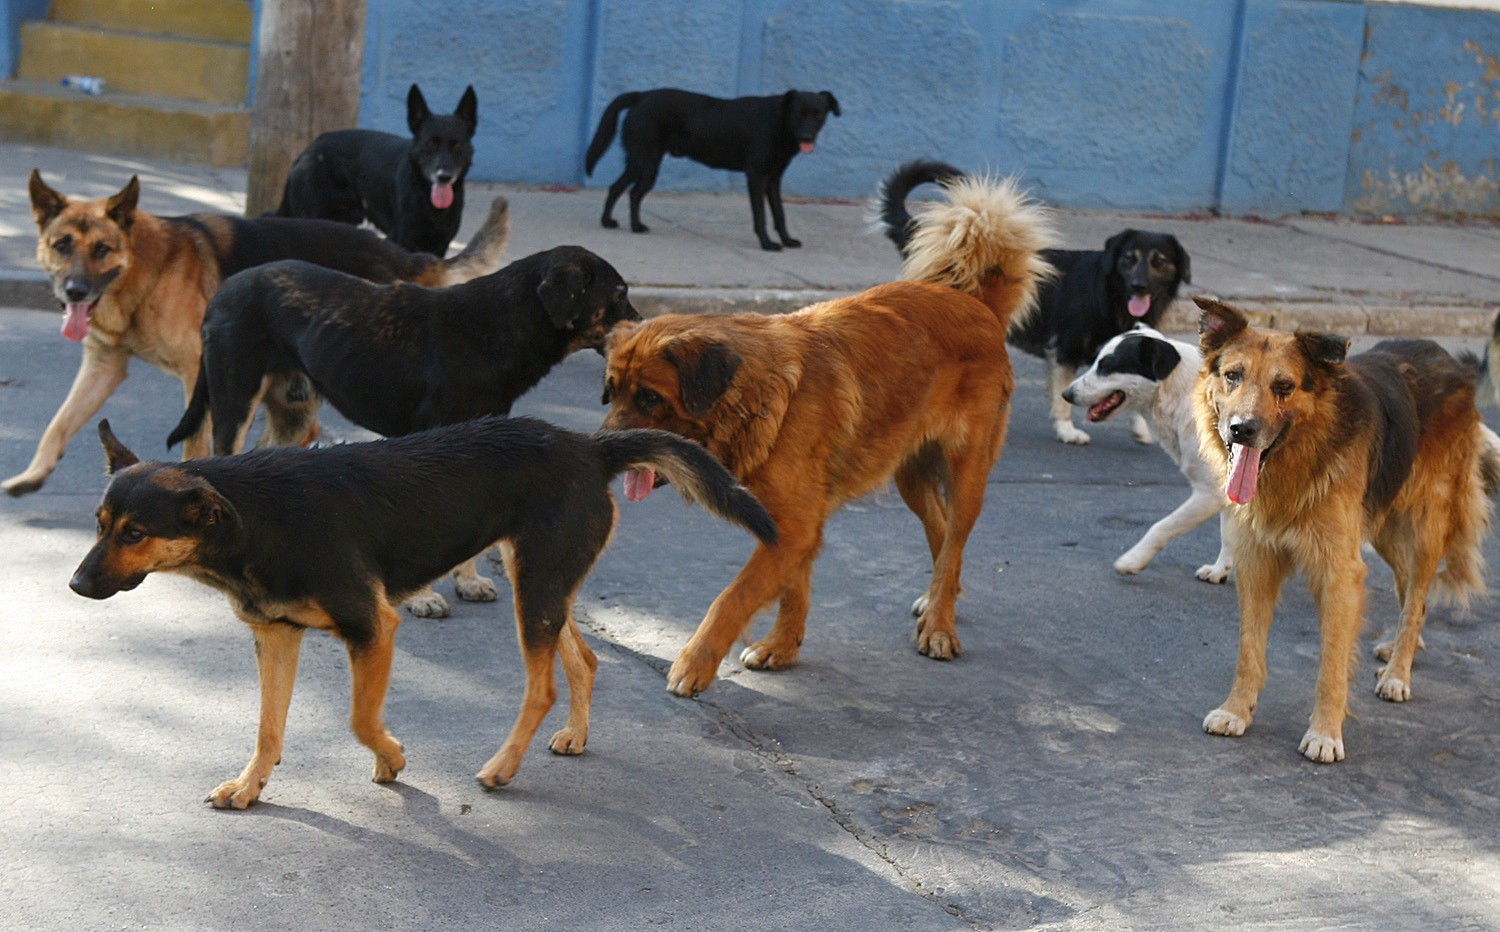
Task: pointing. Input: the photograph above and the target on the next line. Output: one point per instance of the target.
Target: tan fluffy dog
(1320, 454)
(809, 410)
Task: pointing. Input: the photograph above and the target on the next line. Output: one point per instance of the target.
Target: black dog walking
(754, 135)
(411, 189)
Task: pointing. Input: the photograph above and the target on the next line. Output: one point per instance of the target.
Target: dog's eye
(647, 400)
(101, 250)
(1282, 388)
(63, 246)
(132, 535)
(1232, 377)
(100, 527)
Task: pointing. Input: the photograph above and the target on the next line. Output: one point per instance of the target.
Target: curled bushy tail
(984, 238)
(1461, 577)
(482, 255)
(692, 470)
(888, 211)
(605, 134)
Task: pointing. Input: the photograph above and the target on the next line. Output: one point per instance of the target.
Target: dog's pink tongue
(442, 195)
(76, 321)
(639, 483)
(1244, 472)
(1139, 305)
(807, 147)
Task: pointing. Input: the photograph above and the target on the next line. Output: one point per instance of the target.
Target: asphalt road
(1055, 774)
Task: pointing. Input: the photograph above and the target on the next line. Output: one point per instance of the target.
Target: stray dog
(1144, 371)
(1096, 295)
(412, 190)
(812, 409)
(754, 135)
(396, 359)
(134, 284)
(1319, 453)
(330, 538)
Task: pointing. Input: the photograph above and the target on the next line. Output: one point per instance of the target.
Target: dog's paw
(919, 607)
(1390, 688)
(1141, 431)
(475, 589)
(1067, 433)
(767, 654)
(1214, 573)
(568, 742)
(1384, 648)
(1225, 722)
(1321, 748)
(639, 228)
(609, 223)
(691, 674)
(790, 243)
(238, 793)
(939, 643)
(389, 764)
(1131, 563)
(500, 770)
(24, 484)
(770, 246)
(427, 604)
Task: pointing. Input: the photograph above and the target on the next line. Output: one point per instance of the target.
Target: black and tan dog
(1096, 295)
(1318, 454)
(135, 285)
(410, 188)
(398, 358)
(331, 538)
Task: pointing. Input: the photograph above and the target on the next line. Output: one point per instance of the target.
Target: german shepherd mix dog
(810, 410)
(755, 135)
(400, 358)
(412, 190)
(1096, 294)
(332, 538)
(1319, 453)
(134, 284)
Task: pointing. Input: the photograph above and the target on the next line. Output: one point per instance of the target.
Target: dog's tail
(984, 238)
(482, 255)
(887, 212)
(692, 470)
(1462, 575)
(605, 134)
(1489, 379)
(197, 410)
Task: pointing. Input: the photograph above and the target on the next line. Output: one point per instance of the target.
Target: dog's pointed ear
(121, 207)
(1219, 322)
(1159, 358)
(1184, 264)
(1323, 349)
(468, 108)
(204, 508)
(416, 110)
(833, 103)
(704, 374)
(560, 291)
(45, 202)
(117, 456)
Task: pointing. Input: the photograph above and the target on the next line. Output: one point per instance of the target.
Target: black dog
(754, 135)
(411, 189)
(329, 538)
(1096, 295)
(396, 360)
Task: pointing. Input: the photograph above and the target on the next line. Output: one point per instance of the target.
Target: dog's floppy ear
(416, 110)
(204, 507)
(1323, 349)
(1184, 265)
(1219, 322)
(116, 455)
(1115, 244)
(121, 207)
(704, 374)
(1159, 358)
(468, 108)
(45, 202)
(560, 291)
(833, 103)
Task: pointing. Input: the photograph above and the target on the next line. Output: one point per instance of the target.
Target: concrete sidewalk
(1332, 274)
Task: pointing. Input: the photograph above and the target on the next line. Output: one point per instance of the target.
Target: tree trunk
(307, 83)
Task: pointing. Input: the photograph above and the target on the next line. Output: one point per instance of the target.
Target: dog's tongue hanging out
(76, 321)
(1244, 472)
(639, 483)
(442, 195)
(1139, 305)
(806, 146)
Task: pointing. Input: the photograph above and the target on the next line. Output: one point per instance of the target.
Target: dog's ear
(1159, 358)
(116, 455)
(45, 202)
(1323, 349)
(121, 207)
(1219, 322)
(205, 508)
(1115, 244)
(468, 109)
(787, 99)
(833, 103)
(416, 110)
(704, 374)
(1184, 265)
(560, 291)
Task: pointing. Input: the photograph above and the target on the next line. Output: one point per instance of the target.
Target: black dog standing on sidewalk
(411, 189)
(754, 135)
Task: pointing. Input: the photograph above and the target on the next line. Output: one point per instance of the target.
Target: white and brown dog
(1154, 376)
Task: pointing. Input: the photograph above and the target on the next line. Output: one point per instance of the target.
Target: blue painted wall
(12, 14)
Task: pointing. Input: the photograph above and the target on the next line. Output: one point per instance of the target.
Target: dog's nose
(1244, 431)
(75, 290)
(82, 585)
(1068, 394)
(444, 177)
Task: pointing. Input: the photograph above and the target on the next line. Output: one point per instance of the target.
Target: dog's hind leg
(968, 471)
(470, 586)
(291, 406)
(277, 647)
(1059, 377)
(102, 371)
(1261, 574)
(1413, 551)
(1199, 507)
(606, 219)
(370, 677)
(427, 603)
(539, 625)
(645, 179)
(919, 480)
(579, 666)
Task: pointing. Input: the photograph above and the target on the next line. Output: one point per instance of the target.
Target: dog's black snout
(82, 585)
(1244, 431)
(1068, 394)
(444, 177)
(75, 290)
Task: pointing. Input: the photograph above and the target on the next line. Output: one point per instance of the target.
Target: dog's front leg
(757, 185)
(101, 372)
(277, 647)
(1059, 377)
(1218, 571)
(1199, 507)
(1260, 574)
(370, 676)
(778, 214)
(1338, 585)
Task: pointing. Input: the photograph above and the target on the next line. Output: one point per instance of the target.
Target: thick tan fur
(1312, 511)
(809, 410)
